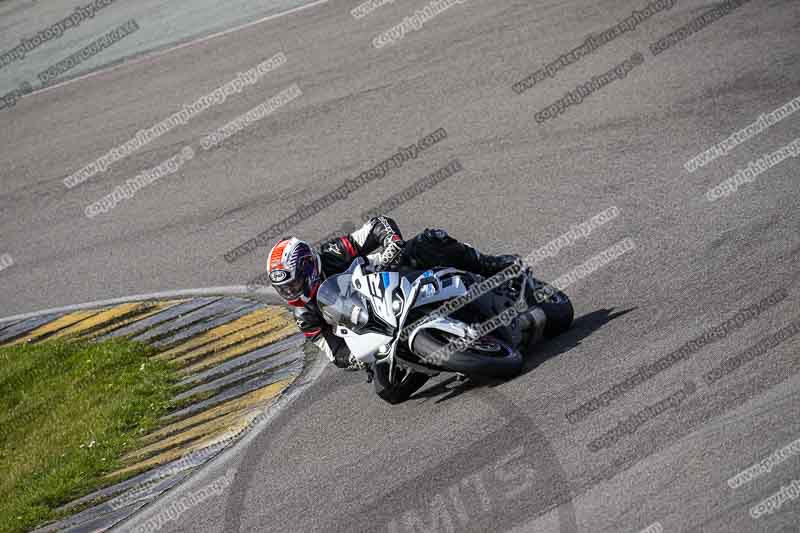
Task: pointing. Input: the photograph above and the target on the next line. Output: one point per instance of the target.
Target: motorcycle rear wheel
(556, 306)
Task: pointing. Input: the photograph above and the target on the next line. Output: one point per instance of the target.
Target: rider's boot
(492, 264)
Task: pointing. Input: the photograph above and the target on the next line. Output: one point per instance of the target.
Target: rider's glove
(392, 252)
(355, 364)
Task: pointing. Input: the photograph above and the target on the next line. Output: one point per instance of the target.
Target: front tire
(488, 357)
(410, 383)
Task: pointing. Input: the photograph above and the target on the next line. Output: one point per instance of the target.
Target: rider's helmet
(295, 270)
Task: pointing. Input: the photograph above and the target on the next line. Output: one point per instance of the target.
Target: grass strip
(68, 412)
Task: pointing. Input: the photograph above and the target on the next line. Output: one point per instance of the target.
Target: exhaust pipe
(533, 321)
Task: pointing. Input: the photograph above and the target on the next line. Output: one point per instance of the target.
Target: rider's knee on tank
(435, 247)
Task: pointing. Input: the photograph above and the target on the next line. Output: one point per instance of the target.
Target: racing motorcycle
(410, 325)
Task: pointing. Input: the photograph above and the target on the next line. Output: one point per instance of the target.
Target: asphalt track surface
(485, 458)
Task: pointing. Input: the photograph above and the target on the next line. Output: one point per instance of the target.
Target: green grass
(68, 411)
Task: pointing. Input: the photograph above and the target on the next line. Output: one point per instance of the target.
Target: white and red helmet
(295, 270)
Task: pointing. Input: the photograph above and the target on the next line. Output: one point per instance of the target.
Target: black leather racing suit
(431, 248)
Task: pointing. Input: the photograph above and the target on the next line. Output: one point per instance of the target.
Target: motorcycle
(408, 326)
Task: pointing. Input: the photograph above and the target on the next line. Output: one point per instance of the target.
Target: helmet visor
(291, 289)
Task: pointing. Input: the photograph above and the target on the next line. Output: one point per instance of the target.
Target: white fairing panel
(381, 288)
(432, 290)
(456, 327)
(378, 288)
(364, 346)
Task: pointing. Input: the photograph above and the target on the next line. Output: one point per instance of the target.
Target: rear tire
(556, 306)
(401, 392)
(504, 362)
(559, 315)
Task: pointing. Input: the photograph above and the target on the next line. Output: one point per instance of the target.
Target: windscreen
(340, 304)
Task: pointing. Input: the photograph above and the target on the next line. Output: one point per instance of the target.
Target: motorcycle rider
(296, 270)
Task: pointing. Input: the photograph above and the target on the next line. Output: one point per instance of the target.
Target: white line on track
(234, 290)
(210, 470)
(150, 55)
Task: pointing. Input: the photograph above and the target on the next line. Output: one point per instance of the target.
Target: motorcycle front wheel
(409, 383)
(485, 357)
